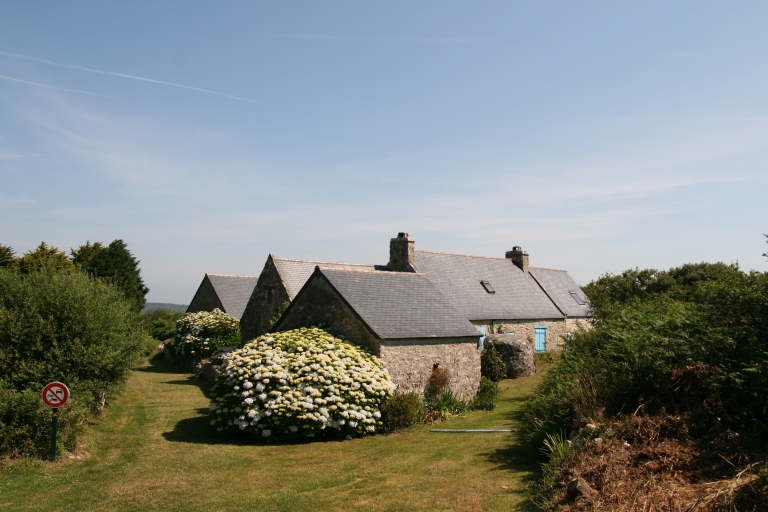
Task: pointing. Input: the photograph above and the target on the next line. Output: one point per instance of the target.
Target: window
(487, 286)
(578, 299)
(511, 333)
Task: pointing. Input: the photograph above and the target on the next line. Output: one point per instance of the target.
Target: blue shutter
(511, 333)
(541, 338)
(482, 338)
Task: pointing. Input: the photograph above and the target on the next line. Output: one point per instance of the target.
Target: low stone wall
(410, 363)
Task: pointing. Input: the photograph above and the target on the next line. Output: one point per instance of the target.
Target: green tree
(7, 256)
(43, 257)
(116, 264)
(84, 253)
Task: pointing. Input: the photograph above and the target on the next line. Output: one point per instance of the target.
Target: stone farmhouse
(506, 294)
(225, 292)
(400, 317)
(414, 311)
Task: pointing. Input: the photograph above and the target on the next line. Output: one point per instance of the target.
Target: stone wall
(205, 299)
(556, 329)
(410, 362)
(264, 304)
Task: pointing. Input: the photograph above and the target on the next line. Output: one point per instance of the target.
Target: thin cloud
(121, 75)
(57, 88)
(374, 39)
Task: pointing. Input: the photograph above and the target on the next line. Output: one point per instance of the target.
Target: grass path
(153, 449)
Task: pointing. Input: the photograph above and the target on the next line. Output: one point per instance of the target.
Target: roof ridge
(464, 255)
(326, 262)
(227, 275)
(553, 269)
(371, 271)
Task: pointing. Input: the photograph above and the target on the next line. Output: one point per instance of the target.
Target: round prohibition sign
(55, 394)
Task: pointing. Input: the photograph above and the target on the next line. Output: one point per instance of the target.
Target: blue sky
(598, 136)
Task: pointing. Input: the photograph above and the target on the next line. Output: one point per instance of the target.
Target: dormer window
(487, 286)
(578, 299)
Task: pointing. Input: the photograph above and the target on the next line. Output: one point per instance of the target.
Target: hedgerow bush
(201, 334)
(25, 422)
(300, 383)
(60, 325)
(487, 395)
(161, 324)
(401, 411)
(707, 323)
(492, 365)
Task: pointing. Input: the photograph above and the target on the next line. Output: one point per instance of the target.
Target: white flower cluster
(297, 383)
(200, 334)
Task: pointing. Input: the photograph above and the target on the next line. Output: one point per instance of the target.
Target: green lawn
(153, 449)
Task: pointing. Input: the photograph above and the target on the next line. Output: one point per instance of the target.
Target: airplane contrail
(3, 77)
(121, 75)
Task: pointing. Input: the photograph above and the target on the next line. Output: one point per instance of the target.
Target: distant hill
(152, 306)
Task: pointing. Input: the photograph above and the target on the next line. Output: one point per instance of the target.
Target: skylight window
(487, 286)
(578, 299)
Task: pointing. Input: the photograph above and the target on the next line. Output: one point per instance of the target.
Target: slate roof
(397, 305)
(233, 291)
(559, 285)
(295, 273)
(458, 278)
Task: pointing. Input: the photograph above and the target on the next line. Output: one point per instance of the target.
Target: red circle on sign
(55, 394)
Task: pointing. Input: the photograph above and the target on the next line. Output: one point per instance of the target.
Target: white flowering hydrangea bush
(300, 383)
(198, 335)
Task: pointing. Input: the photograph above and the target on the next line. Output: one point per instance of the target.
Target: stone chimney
(401, 257)
(519, 257)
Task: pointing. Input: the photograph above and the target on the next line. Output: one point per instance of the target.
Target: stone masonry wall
(556, 329)
(410, 362)
(264, 304)
(319, 304)
(205, 299)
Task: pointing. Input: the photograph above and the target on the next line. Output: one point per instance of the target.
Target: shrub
(492, 365)
(712, 317)
(486, 395)
(443, 405)
(401, 411)
(161, 324)
(60, 325)
(25, 422)
(201, 334)
(303, 382)
(437, 382)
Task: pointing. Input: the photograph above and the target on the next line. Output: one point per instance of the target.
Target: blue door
(541, 339)
(483, 330)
